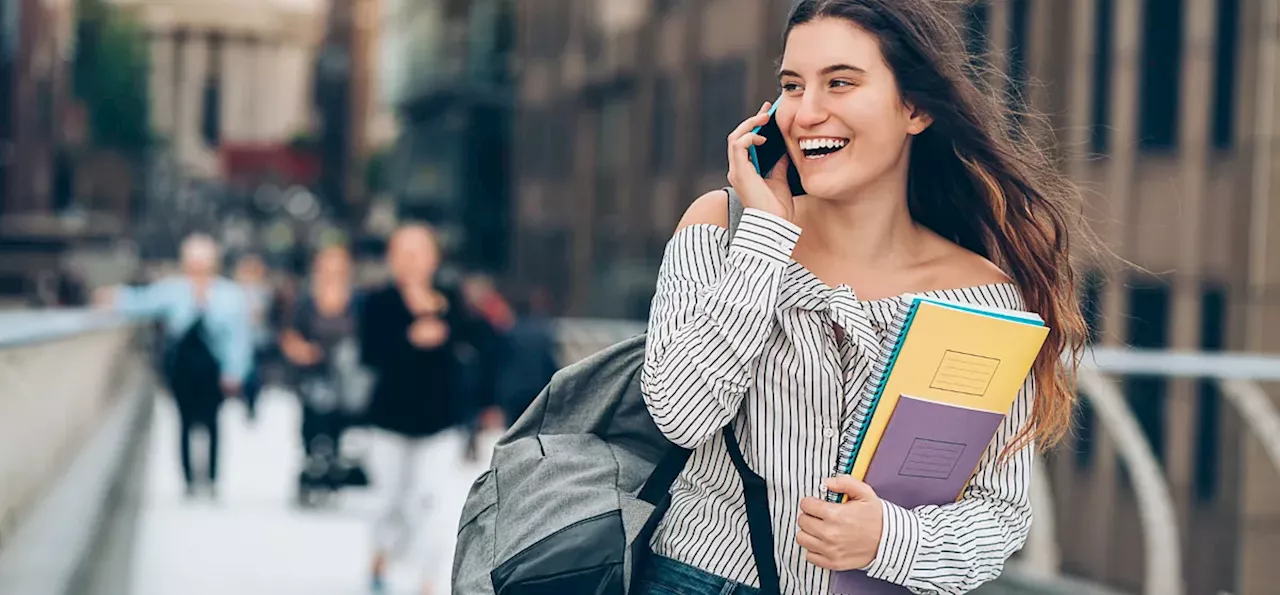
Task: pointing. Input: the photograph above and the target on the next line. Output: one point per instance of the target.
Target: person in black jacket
(414, 336)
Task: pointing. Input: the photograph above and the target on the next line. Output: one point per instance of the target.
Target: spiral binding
(852, 442)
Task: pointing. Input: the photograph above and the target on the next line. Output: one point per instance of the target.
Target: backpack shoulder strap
(735, 210)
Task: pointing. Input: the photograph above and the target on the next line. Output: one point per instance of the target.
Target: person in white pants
(412, 333)
(419, 479)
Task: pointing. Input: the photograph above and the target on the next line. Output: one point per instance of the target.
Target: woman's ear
(918, 121)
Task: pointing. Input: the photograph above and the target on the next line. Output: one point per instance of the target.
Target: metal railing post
(1163, 572)
(1040, 556)
(1259, 414)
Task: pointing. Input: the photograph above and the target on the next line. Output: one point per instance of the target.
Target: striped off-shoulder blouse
(740, 333)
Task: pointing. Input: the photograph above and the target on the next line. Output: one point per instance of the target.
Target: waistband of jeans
(662, 565)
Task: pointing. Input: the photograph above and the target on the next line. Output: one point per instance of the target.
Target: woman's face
(412, 255)
(250, 269)
(332, 266)
(842, 115)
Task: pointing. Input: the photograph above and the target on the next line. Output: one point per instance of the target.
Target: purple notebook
(926, 456)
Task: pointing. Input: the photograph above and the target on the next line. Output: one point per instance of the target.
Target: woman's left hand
(842, 536)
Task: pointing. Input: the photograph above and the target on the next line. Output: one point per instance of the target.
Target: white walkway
(253, 540)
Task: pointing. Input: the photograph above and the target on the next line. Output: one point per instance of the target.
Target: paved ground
(253, 540)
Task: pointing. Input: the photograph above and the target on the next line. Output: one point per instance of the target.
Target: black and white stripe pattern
(742, 321)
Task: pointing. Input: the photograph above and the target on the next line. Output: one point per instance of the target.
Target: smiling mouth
(819, 148)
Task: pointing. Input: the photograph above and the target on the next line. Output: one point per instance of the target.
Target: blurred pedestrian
(494, 319)
(208, 342)
(531, 356)
(412, 332)
(252, 274)
(319, 341)
(486, 301)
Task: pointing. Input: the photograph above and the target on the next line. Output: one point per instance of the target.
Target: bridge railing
(63, 375)
(1237, 375)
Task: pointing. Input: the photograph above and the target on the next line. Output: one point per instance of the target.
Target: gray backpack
(579, 483)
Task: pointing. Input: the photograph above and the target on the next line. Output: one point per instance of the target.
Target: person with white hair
(208, 341)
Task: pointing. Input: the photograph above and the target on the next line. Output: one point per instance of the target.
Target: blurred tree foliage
(111, 72)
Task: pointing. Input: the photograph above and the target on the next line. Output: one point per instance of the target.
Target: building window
(560, 21)
(723, 91)
(1100, 135)
(611, 146)
(528, 143)
(1161, 74)
(1149, 308)
(1213, 318)
(211, 119)
(44, 107)
(10, 21)
(663, 144)
(531, 143)
(548, 28)
(1019, 21)
(1224, 87)
(1085, 430)
(560, 138)
(1092, 284)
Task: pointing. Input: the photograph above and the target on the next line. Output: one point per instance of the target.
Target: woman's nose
(811, 110)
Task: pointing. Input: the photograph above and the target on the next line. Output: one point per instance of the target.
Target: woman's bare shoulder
(967, 269)
(957, 266)
(710, 208)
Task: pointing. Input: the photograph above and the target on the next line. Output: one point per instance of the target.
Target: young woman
(319, 341)
(913, 185)
(412, 334)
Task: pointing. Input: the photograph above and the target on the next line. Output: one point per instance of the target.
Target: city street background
(553, 145)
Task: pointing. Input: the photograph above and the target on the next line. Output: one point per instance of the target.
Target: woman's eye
(842, 83)
(790, 87)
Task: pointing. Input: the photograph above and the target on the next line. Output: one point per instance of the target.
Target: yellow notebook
(953, 353)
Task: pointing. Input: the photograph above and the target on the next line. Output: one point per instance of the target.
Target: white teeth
(810, 144)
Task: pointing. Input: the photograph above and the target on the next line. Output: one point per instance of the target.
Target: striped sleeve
(956, 547)
(711, 316)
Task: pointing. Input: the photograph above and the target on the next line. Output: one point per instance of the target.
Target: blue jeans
(664, 576)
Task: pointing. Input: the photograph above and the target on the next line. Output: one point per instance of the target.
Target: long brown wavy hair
(978, 178)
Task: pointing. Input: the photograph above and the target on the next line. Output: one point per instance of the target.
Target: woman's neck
(200, 285)
(872, 226)
(416, 284)
(200, 280)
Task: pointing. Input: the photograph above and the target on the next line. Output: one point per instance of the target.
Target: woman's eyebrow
(825, 71)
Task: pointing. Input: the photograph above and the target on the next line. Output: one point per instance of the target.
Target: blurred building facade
(347, 101)
(229, 74)
(37, 40)
(622, 111)
(449, 78)
(36, 44)
(1164, 112)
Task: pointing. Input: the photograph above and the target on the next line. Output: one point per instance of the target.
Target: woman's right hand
(428, 332)
(299, 351)
(772, 194)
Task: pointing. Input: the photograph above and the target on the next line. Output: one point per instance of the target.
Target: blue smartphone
(766, 156)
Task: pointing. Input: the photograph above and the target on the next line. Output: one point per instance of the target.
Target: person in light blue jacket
(208, 341)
